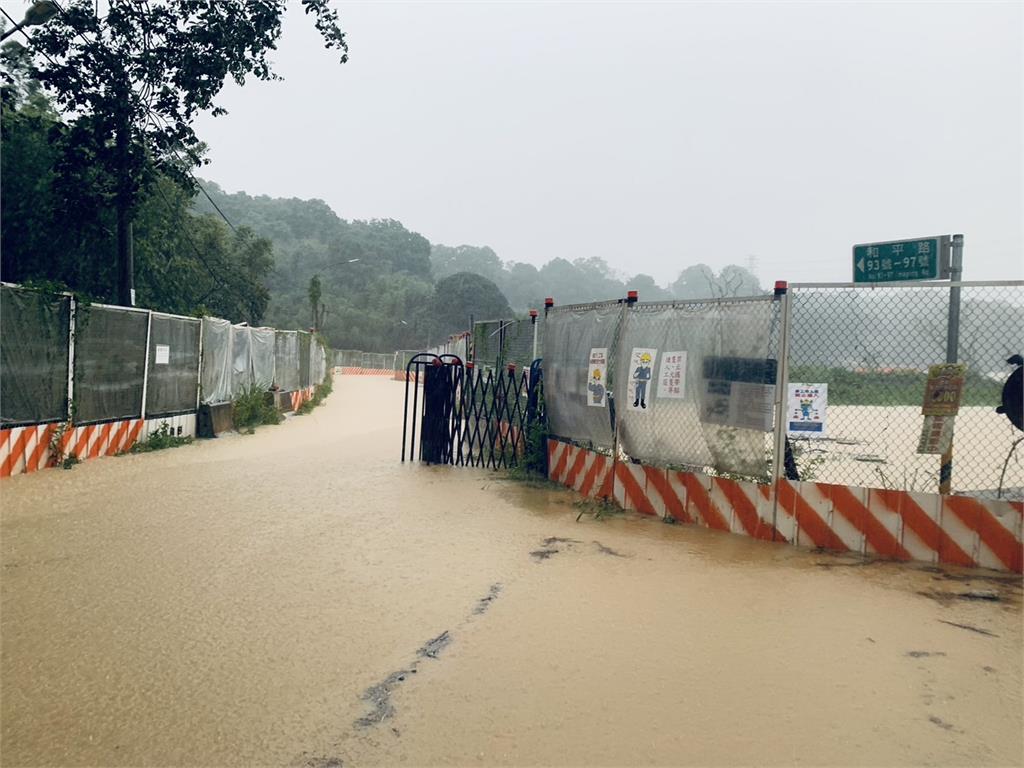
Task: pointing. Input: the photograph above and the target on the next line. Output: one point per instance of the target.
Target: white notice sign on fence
(163, 354)
(672, 375)
(806, 414)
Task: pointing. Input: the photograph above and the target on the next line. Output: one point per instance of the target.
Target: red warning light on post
(549, 302)
(780, 287)
(533, 313)
(632, 296)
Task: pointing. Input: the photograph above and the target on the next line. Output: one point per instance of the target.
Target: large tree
(130, 83)
(461, 296)
(57, 231)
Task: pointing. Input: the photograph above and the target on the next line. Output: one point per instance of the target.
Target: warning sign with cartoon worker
(597, 377)
(808, 410)
(641, 367)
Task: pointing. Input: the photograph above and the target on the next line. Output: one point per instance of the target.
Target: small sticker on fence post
(807, 412)
(672, 375)
(641, 371)
(597, 377)
(936, 435)
(944, 389)
(163, 354)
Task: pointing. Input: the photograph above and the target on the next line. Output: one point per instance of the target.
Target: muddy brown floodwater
(299, 597)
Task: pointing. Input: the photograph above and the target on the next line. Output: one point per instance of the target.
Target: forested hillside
(375, 285)
(383, 287)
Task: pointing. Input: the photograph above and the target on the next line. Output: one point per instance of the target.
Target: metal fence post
(533, 321)
(199, 371)
(781, 387)
(145, 369)
(956, 266)
(71, 360)
(613, 381)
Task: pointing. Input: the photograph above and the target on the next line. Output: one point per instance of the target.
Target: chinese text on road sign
(926, 258)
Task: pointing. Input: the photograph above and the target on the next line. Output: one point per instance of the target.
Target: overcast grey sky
(652, 135)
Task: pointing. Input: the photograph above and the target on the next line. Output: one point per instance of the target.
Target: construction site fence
(822, 383)
(355, 358)
(65, 360)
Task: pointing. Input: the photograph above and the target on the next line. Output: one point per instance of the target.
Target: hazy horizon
(652, 135)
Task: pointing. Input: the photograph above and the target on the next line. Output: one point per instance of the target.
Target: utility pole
(125, 250)
(956, 271)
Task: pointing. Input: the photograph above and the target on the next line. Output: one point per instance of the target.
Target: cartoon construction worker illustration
(805, 408)
(596, 387)
(641, 376)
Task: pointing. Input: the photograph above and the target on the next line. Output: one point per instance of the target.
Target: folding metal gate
(460, 415)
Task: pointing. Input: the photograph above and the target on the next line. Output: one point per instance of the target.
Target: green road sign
(924, 258)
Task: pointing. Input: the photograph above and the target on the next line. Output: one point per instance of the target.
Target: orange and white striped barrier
(357, 371)
(30, 448)
(901, 525)
(25, 449)
(588, 472)
(300, 396)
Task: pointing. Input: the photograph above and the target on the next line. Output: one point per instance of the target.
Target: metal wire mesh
(696, 384)
(304, 344)
(487, 343)
(873, 347)
(376, 360)
(401, 359)
(579, 371)
(173, 365)
(286, 360)
(497, 343)
(33, 356)
(110, 363)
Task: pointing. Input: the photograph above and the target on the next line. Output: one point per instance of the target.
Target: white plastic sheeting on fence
(579, 371)
(286, 361)
(317, 364)
(217, 361)
(695, 385)
(262, 347)
(241, 359)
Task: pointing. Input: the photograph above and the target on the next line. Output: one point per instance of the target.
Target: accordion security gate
(469, 417)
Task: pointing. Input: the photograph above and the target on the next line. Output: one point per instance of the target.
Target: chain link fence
(579, 371)
(871, 348)
(696, 387)
(131, 363)
(695, 384)
(34, 357)
(498, 343)
(356, 358)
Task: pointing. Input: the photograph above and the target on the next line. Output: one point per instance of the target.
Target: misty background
(653, 136)
(471, 159)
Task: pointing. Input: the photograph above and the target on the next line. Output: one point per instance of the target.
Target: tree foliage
(127, 86)
(150, 68)
(463, 295)
(56, 225)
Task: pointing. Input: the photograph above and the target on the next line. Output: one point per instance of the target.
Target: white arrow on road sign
(860, 265)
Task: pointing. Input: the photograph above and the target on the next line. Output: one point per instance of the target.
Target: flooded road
(298, 597)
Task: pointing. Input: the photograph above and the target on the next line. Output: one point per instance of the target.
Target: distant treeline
(384, 287)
